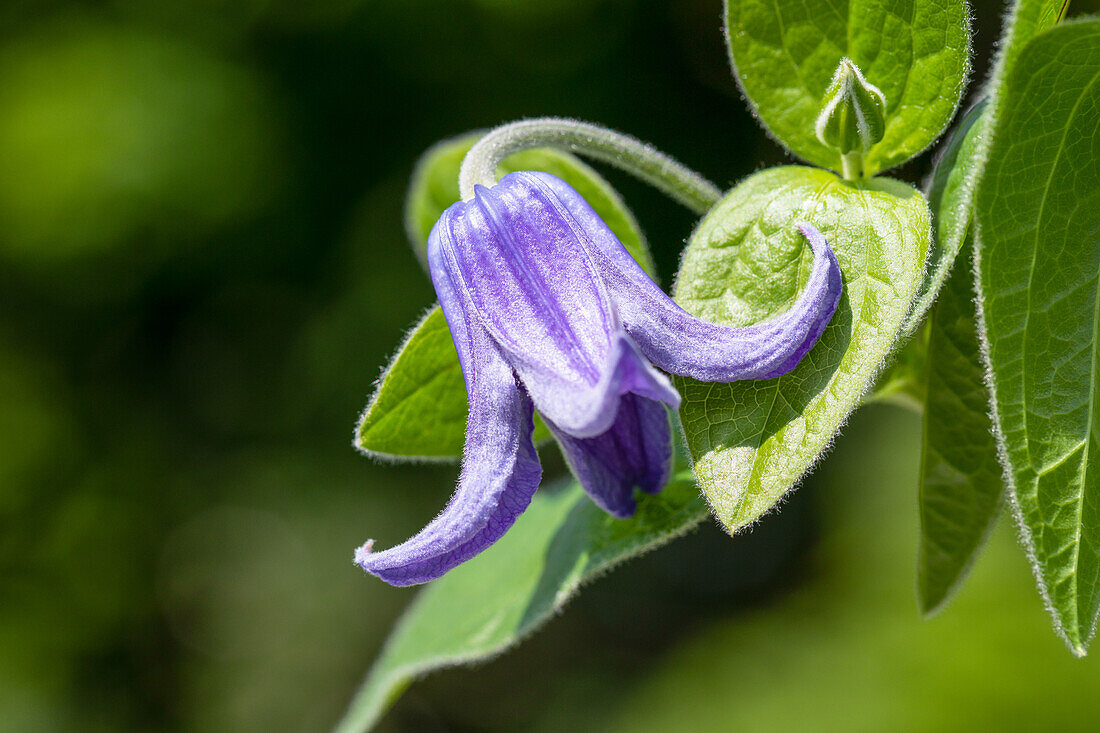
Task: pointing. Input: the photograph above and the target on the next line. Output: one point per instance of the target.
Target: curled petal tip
(810, 232)
(592, 412)
(363, 551)
(680, 343)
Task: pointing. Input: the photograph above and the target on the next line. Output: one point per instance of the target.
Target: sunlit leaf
(751, 441)
(1038, 241)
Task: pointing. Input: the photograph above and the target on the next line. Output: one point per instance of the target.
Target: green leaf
(419, 407)
(434, 187)
(1038, 243)
(916, 51)
(962, 161)
(961, 483)
(751, 441)
(495, 600)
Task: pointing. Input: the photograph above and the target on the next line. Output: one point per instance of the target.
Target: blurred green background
(202, 270)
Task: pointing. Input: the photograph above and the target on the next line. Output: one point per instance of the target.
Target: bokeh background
(202, 270)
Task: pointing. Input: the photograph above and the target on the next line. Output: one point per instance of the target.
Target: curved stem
(640, 159)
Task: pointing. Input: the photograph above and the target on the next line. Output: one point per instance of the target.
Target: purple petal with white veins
(525, 270)
(531, 283)
(500, 470)
(635, 451)
(680, 343)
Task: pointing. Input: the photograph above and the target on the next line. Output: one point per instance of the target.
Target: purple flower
(548, 311)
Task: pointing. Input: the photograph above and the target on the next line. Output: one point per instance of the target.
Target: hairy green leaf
(1038, 241)
(960, 484)
(962, 161)
(419, 407)
(495, 600)
(915, 51)
(752, 440)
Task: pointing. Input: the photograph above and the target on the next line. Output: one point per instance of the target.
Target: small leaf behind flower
(746, 262)
(419, 407)
(495, 600)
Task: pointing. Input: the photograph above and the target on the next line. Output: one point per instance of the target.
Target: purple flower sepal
(548, 311)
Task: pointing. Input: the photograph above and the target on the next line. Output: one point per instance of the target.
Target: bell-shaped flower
(549, 312)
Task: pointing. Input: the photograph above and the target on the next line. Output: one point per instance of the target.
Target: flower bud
(853, 117)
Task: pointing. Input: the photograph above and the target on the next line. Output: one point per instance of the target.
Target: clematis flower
(548, 311)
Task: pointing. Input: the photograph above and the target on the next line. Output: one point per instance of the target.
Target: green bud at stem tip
(853, 116)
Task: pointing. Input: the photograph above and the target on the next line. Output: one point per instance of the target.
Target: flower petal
(586, 413)
(678, 342)
(530, 281)
(500, 470)
(822, 250)
(522, 264)
(682, 344)
(635, 451)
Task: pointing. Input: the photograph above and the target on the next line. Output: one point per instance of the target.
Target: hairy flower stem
(640, 159)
